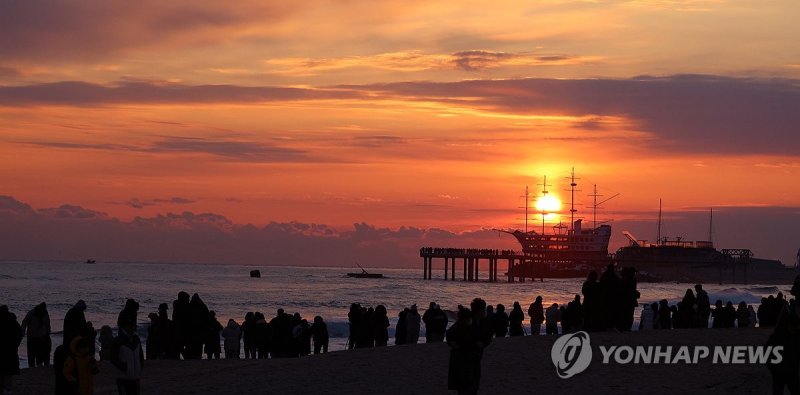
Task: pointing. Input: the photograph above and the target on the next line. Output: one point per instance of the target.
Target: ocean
(326, 291)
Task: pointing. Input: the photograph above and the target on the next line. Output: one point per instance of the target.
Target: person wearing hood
(413, 321)
(36, 327)
(80, 367)
(128, 359)
(74, 322)
(129, 312)
(232, 335)
(515, 320)
(212, 336)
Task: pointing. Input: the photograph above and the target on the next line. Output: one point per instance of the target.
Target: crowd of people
(606, 302)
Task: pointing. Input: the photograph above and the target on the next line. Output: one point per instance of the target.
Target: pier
(470, 262)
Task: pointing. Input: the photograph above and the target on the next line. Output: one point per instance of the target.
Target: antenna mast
(658, 235)
(594, 206)
(711, 226)
(527, 200)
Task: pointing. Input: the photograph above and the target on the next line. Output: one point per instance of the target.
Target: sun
(548, 204)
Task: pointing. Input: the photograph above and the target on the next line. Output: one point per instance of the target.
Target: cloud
(75, 93)
(235, 150)
(414, 61)
(142, 203)
(685, 113)
(96, 29)
(6, 72)
(72, 233)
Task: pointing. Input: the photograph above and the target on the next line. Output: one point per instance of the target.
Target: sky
(329, 132)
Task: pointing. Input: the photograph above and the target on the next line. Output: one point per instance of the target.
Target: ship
(699, 261)
(567, 252)
(364, 274)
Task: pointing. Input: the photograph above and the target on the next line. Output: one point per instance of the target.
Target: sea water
(325, 291)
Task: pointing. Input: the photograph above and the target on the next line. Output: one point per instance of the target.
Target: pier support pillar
(465, 269)
(510, 274)
(446, 262)
(477, 266)
(424, 268)
(430, 268)
(453, 270)
(470, 269)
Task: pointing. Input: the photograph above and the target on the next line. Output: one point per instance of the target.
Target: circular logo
(571, 354)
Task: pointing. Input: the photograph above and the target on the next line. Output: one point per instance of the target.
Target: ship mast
(658, 234)
(544, 185)
(594, 206)
(527, 201)
(572, 209)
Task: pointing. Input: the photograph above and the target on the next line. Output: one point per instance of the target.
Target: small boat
(364, 274)
(90, 262)
(255, 273)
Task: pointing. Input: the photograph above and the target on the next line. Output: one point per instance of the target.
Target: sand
(510, 366)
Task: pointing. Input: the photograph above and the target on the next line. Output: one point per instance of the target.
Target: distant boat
(364, 274)
(90, 262)
(255, 273)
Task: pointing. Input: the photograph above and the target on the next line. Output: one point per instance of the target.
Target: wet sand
(510, 366)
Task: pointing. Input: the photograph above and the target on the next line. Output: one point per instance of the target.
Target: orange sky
(415, 113)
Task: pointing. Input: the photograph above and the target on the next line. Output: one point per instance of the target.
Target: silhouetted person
(261, 336)
(627, 298)
(515, 320)
(787, 334)
(151, 350)
(610, 298)
(664, 315)
(232, 336)
(181, 324)
(401, 328)
(412, 325)
(198, 327)
(36, 326)
(380, 326)
(467, 339)
(106, 339)
(752, 316)
(646, 319)
(280, 330)
(80, 367)
(574, 313)
(500, 321)
(552, 316)
(128, 359)
(536, 313)
(703, 306)
(354, 321)
(10, 339)
(248, 335)
(303, 336)
(435, 324)
(129, 312)
(213, 329)
(74, 322)
(60, 354)
(592, 304)
(729, 314)
(162, 331)
(718, 315)
(319, 333)
(687, 310)
(742, 315)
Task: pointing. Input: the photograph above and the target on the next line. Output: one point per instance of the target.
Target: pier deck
(471, 258)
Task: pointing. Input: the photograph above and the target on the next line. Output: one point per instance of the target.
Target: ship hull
(701, 265)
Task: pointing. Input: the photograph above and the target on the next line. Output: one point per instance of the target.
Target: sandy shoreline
(511, 365)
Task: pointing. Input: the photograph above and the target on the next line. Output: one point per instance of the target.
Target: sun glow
(548, 204)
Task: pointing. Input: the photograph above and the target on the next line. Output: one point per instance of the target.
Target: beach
(510, 365)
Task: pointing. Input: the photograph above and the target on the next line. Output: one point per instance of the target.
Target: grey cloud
(142, 203)
(76, 93)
